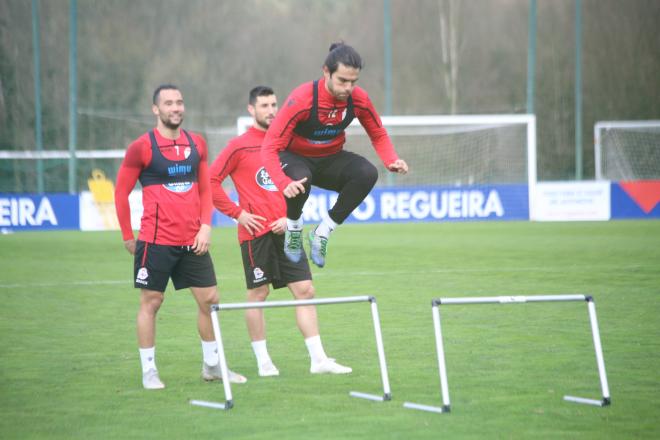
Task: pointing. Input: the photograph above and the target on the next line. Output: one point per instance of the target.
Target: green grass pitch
(69, 365)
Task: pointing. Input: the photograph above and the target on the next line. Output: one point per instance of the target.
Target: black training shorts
(154, 264)
(264, 262)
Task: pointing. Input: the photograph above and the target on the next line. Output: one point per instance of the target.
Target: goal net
(627, 150)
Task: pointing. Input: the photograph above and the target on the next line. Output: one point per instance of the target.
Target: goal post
(442, 367)
(627, 150)
(453, 150)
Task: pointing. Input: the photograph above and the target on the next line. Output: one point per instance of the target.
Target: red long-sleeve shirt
(297, 107)
(174, 213)
(241, 161)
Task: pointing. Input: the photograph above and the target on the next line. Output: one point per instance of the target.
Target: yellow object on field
(103, 192)
(102, 189)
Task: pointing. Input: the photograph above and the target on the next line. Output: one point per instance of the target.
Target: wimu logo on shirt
(327, 131)
(179, 170)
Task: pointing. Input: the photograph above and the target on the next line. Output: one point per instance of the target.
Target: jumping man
(304, 147)
(261, 225)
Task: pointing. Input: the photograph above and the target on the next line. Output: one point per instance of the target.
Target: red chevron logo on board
(646, 193)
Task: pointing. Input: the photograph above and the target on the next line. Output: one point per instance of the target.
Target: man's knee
(298, 171)
(361, 172)
(212, 297)
(206, 296)
(368, 174)
(258, 294)
(305, 290)
(150, 301)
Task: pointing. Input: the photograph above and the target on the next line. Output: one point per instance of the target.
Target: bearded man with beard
(175, 229)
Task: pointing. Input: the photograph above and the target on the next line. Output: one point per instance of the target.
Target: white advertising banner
(572, 201)
(100, 215)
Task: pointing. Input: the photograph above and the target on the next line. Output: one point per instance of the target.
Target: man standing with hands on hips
(304, 147)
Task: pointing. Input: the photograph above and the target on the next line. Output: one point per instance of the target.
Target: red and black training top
(241, 161)
(176, 194)
(311, 123)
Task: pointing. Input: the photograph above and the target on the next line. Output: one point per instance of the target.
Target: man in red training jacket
(304, 147)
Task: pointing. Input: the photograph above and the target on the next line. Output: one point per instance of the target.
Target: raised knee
(298, 174)
(369, 173)
(363, 173)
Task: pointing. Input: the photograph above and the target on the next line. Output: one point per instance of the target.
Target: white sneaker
(268, 369)
(151, 381)
(214, 373)
(329, 366)
(318, 248)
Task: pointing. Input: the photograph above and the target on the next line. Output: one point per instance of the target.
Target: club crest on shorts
(142, 276)
(258, 274)
(263, 180)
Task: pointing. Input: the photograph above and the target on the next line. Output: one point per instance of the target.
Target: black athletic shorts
(264, 262)
(154, 264)
(328, 172)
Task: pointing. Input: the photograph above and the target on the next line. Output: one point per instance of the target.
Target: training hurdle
(442, 368)
(229, 403)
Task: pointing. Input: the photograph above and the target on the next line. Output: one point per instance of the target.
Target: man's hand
(294, 188)
(202, 240)
(278, 226)
(398, 166)
(251, 222)
(130, 246)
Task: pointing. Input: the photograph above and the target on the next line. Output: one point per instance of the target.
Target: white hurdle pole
(387, 395)
(595, 333)
(224, 371)
(444, 387)
(442, 368)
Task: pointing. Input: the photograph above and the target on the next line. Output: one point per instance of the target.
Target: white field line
(544, 269)
(348, 273)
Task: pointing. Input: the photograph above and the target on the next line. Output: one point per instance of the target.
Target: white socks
(294, 225)
(315, 348)
(210, 352)
(325, 227)
(148, 359)
(261, 352)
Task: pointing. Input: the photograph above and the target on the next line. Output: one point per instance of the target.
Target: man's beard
(171, 125)
(263, 123)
